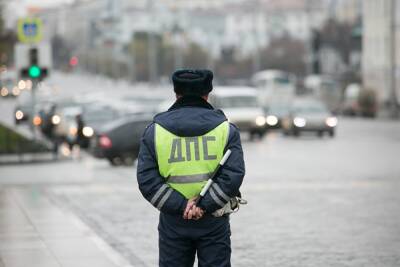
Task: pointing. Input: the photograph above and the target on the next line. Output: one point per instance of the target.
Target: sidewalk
(36, 233)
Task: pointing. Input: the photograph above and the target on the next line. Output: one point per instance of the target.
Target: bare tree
(286, 54)
(7, 41)
(341, 37)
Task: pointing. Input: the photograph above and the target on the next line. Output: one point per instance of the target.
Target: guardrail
(14, 144)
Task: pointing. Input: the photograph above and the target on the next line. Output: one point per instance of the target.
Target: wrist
(183, 205)
(201, 206)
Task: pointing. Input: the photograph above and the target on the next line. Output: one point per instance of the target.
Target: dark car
(23, 108)
(93, 117)
(119, 141)
(24, 111)
(359, 101)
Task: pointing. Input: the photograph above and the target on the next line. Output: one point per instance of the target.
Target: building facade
(347, 10)
(381, 42)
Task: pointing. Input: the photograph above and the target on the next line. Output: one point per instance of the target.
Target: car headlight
(331, 121)
(299, 122)
(19, 115)
(4, 91)
(260, 121)
(16, 91)
(87, 131)
(55, 119)
(21, 84)
(272, 120)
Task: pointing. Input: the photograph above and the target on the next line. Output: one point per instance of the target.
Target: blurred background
(313, 85)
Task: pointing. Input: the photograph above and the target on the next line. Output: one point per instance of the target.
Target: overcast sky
(40, 3)
(18, 8)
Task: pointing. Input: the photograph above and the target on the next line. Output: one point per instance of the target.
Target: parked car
(350, 104)
(359, 101)
(118, 141)
(309, 116)
(368, 103)
(241, 107)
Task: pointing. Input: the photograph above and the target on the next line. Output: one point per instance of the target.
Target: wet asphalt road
(312, 201)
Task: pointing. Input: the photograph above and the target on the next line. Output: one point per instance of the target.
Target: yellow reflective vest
(187, 163)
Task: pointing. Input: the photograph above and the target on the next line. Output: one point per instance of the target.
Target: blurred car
(62, 116)
(143, 103)
(326, 89)
(23, 108)
(119, 141)
(309, 116)
(241, 107)
(350, 104)
(65, 123)
(359, 101)
(8, 84)
(275, 113)
(93, 115)
(368, 102)
(23, 111)
(46, 115)
(274, 86)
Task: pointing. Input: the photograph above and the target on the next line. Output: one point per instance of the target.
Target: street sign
(30, 30)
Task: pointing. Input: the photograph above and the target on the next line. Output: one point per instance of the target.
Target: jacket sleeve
(151, 184)
(229, 180)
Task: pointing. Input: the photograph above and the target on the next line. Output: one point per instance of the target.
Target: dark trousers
(179, 242)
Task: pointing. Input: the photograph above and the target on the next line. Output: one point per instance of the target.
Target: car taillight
(105, 141)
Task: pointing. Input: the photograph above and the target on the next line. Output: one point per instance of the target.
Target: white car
(309, 115)
(240, 105)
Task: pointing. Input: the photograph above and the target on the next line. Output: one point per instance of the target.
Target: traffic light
(34, 71)
(73, 61)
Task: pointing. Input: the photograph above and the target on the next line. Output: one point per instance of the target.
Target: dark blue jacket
(189, 116)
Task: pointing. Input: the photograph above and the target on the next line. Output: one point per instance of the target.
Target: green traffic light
(34, 71)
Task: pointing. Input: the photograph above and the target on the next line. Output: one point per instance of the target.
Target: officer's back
(179, 152)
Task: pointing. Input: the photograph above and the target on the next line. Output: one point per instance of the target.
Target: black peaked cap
(192, 82)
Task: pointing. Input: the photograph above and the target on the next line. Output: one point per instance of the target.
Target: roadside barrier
(14, 145)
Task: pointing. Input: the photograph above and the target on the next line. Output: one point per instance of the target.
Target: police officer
(178, 153)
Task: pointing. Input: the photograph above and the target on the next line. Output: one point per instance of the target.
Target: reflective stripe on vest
(188, 162)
